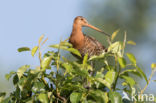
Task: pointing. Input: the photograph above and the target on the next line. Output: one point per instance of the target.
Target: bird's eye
(81, 18)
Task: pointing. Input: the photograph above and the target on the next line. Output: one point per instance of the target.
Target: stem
(116, 60)
(115, 83)
(142, 91)
(40, 54)
(124, 43)
(109, 40)
(58, 58)
(58, 94)
(40, 58)
(57, 66)
(118, 73)
(62, 98)
(44, 81)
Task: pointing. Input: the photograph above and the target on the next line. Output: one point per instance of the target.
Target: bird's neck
(77, 30)
(77, 37)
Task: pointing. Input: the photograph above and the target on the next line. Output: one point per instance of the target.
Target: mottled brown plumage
(91, 46)
(85, 44)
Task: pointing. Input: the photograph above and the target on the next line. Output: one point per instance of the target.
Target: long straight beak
(95, 28)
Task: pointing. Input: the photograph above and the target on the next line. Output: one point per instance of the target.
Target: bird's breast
(77, 41)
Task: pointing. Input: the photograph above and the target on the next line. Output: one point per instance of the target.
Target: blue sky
(22, 22)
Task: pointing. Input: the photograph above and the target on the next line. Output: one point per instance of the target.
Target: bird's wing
(95, 42)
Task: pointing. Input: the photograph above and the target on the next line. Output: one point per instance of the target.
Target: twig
(57, 92)
(115, 83)
(62, 98)
(58, 57)
(40, 58)
(44, 81)
(109, 40)
(142, 91)
(39, 49)
(124, 43)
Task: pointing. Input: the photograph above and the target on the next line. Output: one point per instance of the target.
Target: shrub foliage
(60, 80)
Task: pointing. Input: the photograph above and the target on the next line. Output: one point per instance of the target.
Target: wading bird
(83, 43)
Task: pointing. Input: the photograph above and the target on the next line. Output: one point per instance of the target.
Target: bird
(83, 43)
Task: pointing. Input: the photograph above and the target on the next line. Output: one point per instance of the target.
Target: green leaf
(122, 62)
(50, 97)
(99, 75)
(96, 57)
(124, 84)
(115, 48)
(154, 80)
(68, 67)
(35, 71)
(2, 94)
(6, 100)
(43, 98)
(131, 57)
(33, 51)
(129, 80)
(29, 100)
(23, 49)
(115, 97)
(38, 87)
(40, 39)
(99, 96)
(153, 66)
(85, 59)
(128, 71)
(131, 42)
(7, 76)
(132, 71)
(114, 34)
(59, 46)
(104, 82)
(75, 97)
(21, 70)
(66, 44)
(142, 73)
(46, 62)
(82, 72)
(22, 83)
(109, 78)
(17, 93)
(15, 79)
(72, 50)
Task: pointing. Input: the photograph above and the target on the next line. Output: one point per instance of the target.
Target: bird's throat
(77, 29)
(77, 37)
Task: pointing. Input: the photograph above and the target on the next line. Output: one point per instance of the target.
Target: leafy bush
(59, 79)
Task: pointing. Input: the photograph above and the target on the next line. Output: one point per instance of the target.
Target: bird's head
(79, 20)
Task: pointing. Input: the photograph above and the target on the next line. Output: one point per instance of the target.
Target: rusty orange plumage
(85, 44)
